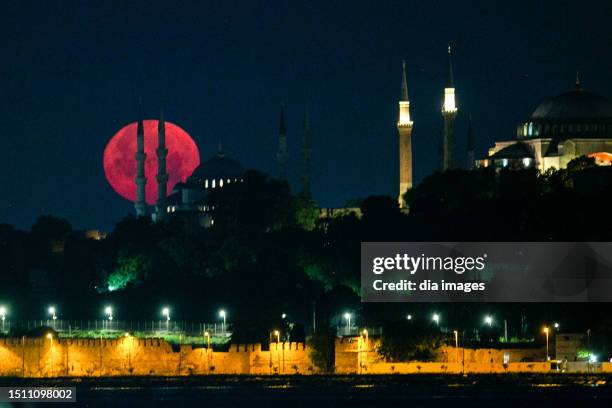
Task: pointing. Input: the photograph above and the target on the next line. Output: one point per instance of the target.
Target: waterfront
(339, 391)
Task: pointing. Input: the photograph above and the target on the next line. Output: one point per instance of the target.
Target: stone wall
(133, 356)
(155, 357)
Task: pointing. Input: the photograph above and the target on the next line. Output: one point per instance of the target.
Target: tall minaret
(449, 113)
(281, 156)
(469, 150)
(141, 180)
(162, 176)
(404, 128)
(306, 153)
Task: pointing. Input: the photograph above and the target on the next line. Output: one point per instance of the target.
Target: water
(341, 391)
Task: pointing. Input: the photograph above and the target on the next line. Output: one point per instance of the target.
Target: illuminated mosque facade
(573, 124)
(562, 128)
(190, 196)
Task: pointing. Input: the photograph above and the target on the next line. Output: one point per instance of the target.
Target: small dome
(576, 104)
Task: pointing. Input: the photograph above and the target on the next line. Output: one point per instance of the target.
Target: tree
(408, 341)
(129, 270)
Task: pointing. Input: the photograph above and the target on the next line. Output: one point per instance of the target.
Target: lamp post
(409, 317)
(436, 319)
(53, 315)
(277, 334)
(166, 313)
(556, 326)
(109, 313)
(347, 316)
(223, 314)
(546, 330)
(488, 320)
(366, 347)
(3, 316)
(207, 335)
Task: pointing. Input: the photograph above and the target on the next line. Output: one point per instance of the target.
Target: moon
(120, 164)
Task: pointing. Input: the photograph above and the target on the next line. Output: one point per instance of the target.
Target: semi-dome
(574, 105)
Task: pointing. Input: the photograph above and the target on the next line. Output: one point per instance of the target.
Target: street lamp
(347, 316)
(284, 316)
(3, 315)
(53, 315)
(223, 314)
(546, 330)
(166, 313)
(409, 317)
(556, 326)
(109, 313)
(436, 319)
(456, 333)
(488, 320)
(277, 334)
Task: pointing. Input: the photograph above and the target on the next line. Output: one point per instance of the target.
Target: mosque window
(206, 183)
(213, 183)
(220, 182)
(526, 162)
(530, 128)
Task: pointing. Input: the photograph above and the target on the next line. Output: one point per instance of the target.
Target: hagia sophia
(573, 124)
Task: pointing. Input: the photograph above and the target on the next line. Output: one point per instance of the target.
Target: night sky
(72, 72)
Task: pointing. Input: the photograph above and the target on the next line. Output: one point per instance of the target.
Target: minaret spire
(306, 154)
(162, 175)
(449, 113)
(578, 85)
(404, 92)
(470, 145)
(281, 155)
(404, 129)
(141, 181)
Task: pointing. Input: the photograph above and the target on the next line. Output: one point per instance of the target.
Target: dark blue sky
(72, 73)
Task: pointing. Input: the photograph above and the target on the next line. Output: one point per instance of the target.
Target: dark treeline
(269, 253)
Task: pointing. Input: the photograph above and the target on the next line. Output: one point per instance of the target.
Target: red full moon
(120, 163)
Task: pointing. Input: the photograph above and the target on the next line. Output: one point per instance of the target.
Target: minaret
(449, 113)
(162, 176)
(141, 180)
(404, 129)
(306, 152)
(469, 150)
(281, 156)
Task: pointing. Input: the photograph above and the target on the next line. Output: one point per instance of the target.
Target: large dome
(218, 167)
(576, 104)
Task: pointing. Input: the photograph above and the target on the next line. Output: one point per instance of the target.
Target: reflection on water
(340, 391)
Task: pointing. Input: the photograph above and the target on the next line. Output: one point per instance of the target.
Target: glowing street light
(436, 319)
(556, 326)
(166, 313)
(409, 317)
(284, 316)
(277, 334)
(546, 330)
(456, 333)
(52, 312)
(109, 313)
(488, 320)
(2, 315)
(347, 316)
(223, 314)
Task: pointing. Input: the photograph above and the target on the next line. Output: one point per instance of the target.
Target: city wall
(154, 357)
